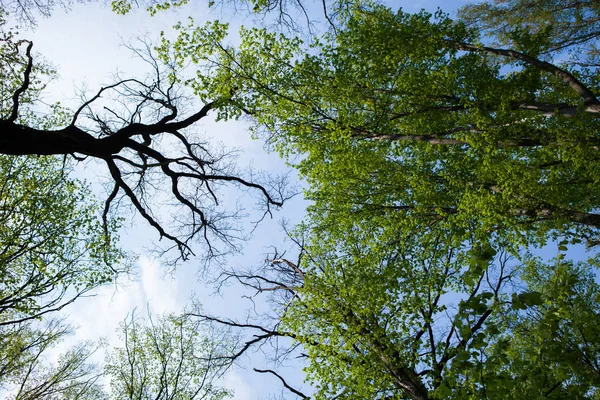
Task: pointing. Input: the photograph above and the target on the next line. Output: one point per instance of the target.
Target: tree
(136, 130)
(54, 249)
(171, 357)
(418, 319)
(27, 374)
(551, 344)
(434, 164)
(567, 25)
(399, 115)
(53, 246)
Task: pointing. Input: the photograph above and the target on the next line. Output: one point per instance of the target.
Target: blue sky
(85, 45)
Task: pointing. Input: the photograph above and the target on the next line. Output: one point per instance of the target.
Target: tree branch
(26, 80)
(588, 96)
(285, 384)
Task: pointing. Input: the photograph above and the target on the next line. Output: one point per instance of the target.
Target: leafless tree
(137, 129)
(275, 282)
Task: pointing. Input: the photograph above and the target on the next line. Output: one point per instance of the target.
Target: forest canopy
(451, 164)
(438, 161)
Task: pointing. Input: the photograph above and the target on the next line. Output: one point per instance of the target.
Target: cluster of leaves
(52, 239)
(429, 322)
(392, 119)
(432, 161)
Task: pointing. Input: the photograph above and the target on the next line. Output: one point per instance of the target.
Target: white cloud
(242, 390)
(99, 316)
(160, 291)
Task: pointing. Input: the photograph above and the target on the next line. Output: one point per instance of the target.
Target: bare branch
(26, 80)
(285, 384)
(136, 128)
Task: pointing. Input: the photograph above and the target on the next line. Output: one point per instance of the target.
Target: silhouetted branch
(285, 384)
(135, 127)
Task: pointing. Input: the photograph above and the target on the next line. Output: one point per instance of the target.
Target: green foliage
(434, 163)
(551, 350)
(393, 122)
(170, 357)
(381, 319)
(123, 7)
(53, 249)
(51, 239)
(563, 24)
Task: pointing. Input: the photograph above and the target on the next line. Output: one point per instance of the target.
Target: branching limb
(26, 81)
(587, 95)
(285, 384)
(136, 128)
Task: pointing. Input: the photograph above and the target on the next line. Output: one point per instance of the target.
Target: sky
(86, 47)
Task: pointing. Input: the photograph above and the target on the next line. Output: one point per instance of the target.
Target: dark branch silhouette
(285, 384)
(137, 130)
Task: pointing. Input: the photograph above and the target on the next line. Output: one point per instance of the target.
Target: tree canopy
(436, 164)
(135, 129)
(440, 154)
(407, 115)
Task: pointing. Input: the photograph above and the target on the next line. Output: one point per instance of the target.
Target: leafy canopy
(165, 357)
(400, 115)
(434, 164)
